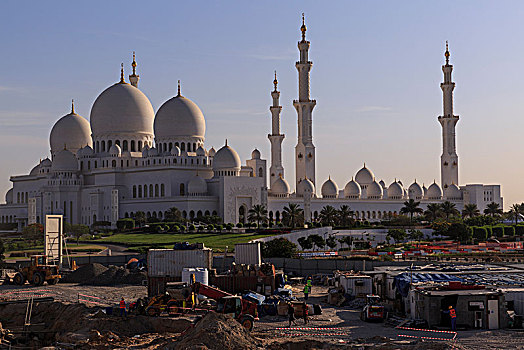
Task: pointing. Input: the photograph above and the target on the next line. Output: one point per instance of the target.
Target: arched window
(170, 146)
(103, 146)
(260, 172)
(277, 216)
(242, 214)
(134, 191)
(94, 218)
(271, 216)
(156, 190)
(192, 214)
(162, 190)
(215, 213)
(121, 163)
(148, 215)
(145, 191)
(126, 215)
(199, 214)
(159, 148)
(154, 214)
(117, 142)
(139, 191)
(151, 193)
(184, 214)
(160, 215)
(109, 144)
(194, 147)
(82, 165)
(124, 148)
(206, 213)
(96, 164)
(182, 146)
(133, 148)
(182, 190)
(139, 146)
(113, 163)
(18, 197)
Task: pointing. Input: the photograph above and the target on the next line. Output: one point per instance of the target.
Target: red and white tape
(420, 337)
(309, 328)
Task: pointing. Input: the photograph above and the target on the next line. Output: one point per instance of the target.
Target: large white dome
(352, 190)
(64, 160)
(226, 158)
(122, 109)
(329, 189)
(415, 192)
(179, 117)
(434, 191)
(395, 191)
(364, 176)
(72, 132)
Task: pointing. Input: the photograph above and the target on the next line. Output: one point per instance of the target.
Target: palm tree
(345, 215)
(173, 214)
(411, 207)
(140, 218)
(493, 209)
(257, 214)
(328, 214)
(470, 210)
(448, 209)
(433, 211)
(515, 212)
(292, 213)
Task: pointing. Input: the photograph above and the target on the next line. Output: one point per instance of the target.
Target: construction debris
(99, 275)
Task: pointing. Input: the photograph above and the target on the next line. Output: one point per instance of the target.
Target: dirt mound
(217, 331)
(99, 275)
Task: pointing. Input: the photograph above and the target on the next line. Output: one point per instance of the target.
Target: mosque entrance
(242, 214)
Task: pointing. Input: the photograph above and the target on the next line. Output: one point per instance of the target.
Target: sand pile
(217, 331)
(99, 275)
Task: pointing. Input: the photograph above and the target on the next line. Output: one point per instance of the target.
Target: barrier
(87, 299)
(453, 333)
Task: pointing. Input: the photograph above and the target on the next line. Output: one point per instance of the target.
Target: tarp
(403, 281)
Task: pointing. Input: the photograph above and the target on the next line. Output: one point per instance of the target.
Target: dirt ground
(350, 331)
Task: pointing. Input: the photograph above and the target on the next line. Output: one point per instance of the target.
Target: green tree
(258, 214)
(415, 235)
(328, 215)
(292, 214)
(305, 243)
(140, 218)
(470, 210)
(348, 240)
(411, 207)
(172, 214)
(34, 233)
(433, 211)
(345, 215)
(449, 209)
(515, 212)
(279, 248)
(318, 241)
(396, 234)
(493, 209)
(331, 242)
(78, 231)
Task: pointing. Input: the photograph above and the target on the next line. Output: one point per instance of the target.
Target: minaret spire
(276, 169)
(448, 121)
(133, 78)
(122, 80)
(72, 106)
(304, 150)
(179, 88)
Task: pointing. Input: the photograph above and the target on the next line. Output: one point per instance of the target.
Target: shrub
(279, 248)
(125, 224)
(229, 226)
(519, 230)
(175, 228)
(240, 225)
(480, 233)
(498, 231)
(219, 228)
(192, 228)
(509, 231)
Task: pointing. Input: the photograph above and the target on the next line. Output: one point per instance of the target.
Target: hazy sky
(376, 76)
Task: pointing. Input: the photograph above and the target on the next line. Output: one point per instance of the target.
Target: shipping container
(248, 253)
(356, 285)
(170, 262)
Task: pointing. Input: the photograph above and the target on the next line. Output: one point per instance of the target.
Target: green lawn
(216, 241)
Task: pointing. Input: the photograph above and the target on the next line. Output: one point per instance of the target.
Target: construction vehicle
(242, 310)
(373, 310)
(38, 272)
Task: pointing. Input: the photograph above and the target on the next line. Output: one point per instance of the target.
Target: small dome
(415, 192)
(179, 117)
(453, 192)
(382, 183)
(434, 191)
(35, 170)
(9, 196)
(145, 151)
(305, 187)
(364, 176)
(255, 154)
(352, 190)
(122, 109)
(197, 186)
(153, 152)
(280, 187)
(212, 152)
(72, 132)
(374, 191)
(200, 151)
(226, 158)
(175, 151)
(46, 163)
(85, 152)
(64, 160)
(329, 189)
(115, 151)
(395, 191)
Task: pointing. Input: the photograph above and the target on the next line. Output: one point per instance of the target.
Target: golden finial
(133, 64)
(275, 82)
(364, 164)
(72, 106)
(303, 28)
(447, 53)
(122, 81)
(178, 87)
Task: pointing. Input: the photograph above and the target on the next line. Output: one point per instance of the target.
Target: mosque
(127, 159)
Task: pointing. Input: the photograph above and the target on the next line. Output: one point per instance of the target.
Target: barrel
(201, 274)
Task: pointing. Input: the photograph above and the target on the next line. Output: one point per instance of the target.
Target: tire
(38, 279)
(19, 279)
(173, 310)
(247, 322)
(53, 281)
(152, 312)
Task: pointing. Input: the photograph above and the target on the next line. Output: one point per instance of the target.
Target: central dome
(122, 109)
(179, 117)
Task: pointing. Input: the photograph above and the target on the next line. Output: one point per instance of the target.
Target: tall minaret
(304, 150)
(276, 170)
(133, 78)
(449, 158)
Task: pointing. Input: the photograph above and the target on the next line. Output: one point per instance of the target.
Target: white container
(248, 253)
(356, 285)
(201, 275)
(170, 262)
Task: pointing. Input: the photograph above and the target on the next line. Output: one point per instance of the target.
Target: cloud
(9, 88)
(366, 109)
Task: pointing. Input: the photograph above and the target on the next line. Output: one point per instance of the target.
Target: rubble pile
(99, 275)
(217, 331)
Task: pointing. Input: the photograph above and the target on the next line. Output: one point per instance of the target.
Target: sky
(375, 77)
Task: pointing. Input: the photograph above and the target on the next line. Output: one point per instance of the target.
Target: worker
(306, 291)
(291, 314)
(453, 316)
(309, 284)
(123, 307)
(306, 313)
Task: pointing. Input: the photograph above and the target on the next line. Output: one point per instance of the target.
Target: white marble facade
(128, 159)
